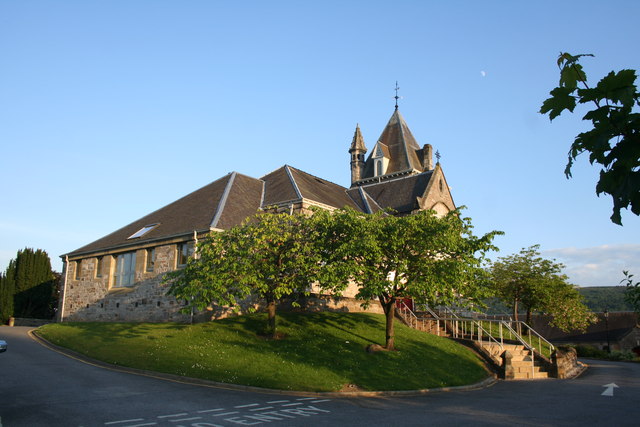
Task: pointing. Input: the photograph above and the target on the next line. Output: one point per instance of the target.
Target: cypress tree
(7, 291)
(34, 284)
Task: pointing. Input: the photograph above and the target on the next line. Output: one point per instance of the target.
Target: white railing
(490, 330)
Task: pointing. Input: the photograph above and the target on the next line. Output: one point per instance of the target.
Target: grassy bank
(319, 352)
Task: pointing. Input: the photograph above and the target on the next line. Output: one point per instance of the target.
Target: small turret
(427, 157)
(357, 151)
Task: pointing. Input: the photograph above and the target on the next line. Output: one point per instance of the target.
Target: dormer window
(379, 168)
(380, 159)
(144, 230)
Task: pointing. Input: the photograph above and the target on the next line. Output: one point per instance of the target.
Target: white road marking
(173, 415)
(135, 420)
(277, 401)
(185, 419)
(225, 413)
(246, 406)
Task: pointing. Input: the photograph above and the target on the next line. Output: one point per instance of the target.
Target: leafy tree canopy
(270, 256)
(538, 285)
(420, 256)
(614, 140)
(632, 294)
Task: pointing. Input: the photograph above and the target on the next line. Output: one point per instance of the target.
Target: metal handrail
(540, 338)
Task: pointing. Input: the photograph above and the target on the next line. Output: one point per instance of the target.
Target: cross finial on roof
(397, 97)
(438, 156)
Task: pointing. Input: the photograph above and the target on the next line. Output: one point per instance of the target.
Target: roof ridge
(287, 169)
(364, 199)
(223, 200)
(398, 178)
(317, 177)
(404, 141)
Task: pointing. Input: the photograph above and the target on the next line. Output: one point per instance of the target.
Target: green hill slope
(319, 352)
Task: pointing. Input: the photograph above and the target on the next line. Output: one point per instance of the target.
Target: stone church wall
(92, 299)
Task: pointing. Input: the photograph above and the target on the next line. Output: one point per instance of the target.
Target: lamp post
(606, 325)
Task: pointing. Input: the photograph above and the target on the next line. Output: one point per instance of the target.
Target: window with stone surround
(124, 274)
(185, 250)
(99, 266)
(78, 269)
(150, 259)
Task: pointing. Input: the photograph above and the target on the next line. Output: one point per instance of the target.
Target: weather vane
(397, 97)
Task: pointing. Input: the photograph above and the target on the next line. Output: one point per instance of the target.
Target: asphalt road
(40, 387)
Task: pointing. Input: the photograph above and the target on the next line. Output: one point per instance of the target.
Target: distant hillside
(599, 298)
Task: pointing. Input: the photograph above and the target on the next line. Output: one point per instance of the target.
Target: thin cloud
(599, 265)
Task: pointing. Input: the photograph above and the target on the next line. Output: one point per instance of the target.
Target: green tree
(528, 281)
(29, 286)
(270, 256)
(7, 291)
(34, 284)
(632, 293)
(614, 140)
(420, 256)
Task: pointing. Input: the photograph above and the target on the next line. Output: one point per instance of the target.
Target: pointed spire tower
(357, 151)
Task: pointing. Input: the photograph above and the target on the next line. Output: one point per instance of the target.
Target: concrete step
(530, 376)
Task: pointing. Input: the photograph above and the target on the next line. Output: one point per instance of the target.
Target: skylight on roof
(144, 230)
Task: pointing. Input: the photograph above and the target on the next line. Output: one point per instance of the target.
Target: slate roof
(401, 145)
(223, 204)
(399, 194)
(619, 324)
(227, 201)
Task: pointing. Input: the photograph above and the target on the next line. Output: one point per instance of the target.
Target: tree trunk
(515, 316)
(389, 307)
(271, 318)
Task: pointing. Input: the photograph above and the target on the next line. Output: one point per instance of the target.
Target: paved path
(39, 387)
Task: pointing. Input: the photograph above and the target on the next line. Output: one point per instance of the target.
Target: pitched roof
(616, 326)
(402, 148)
(220, 204)
(399, 194)
(223, 204)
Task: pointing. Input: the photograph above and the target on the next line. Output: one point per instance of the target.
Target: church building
(119, 276)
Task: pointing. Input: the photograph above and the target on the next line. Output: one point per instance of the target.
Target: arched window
(378, 167)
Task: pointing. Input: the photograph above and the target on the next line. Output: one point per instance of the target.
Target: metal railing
(490, 330)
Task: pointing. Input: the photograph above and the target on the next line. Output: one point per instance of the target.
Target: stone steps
(521, 358)
(521, 361)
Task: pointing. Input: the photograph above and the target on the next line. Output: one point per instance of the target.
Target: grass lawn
(319, 352)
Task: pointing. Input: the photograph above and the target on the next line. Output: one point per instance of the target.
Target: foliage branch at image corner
(614, 140)
(632, 291)
(527, 281)
(272, 256)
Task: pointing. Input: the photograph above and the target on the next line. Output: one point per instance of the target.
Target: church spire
(357, 151)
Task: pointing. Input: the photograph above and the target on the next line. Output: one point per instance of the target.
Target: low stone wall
(565, 363)
(18, 321)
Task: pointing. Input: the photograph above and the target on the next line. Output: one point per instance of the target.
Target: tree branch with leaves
(614, 140)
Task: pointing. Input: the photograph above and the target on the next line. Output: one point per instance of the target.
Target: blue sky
(112, 109)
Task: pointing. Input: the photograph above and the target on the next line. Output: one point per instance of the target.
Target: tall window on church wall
(125, 270)
(185, 250)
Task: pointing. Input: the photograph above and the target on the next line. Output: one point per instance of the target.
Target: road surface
(41, 387)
